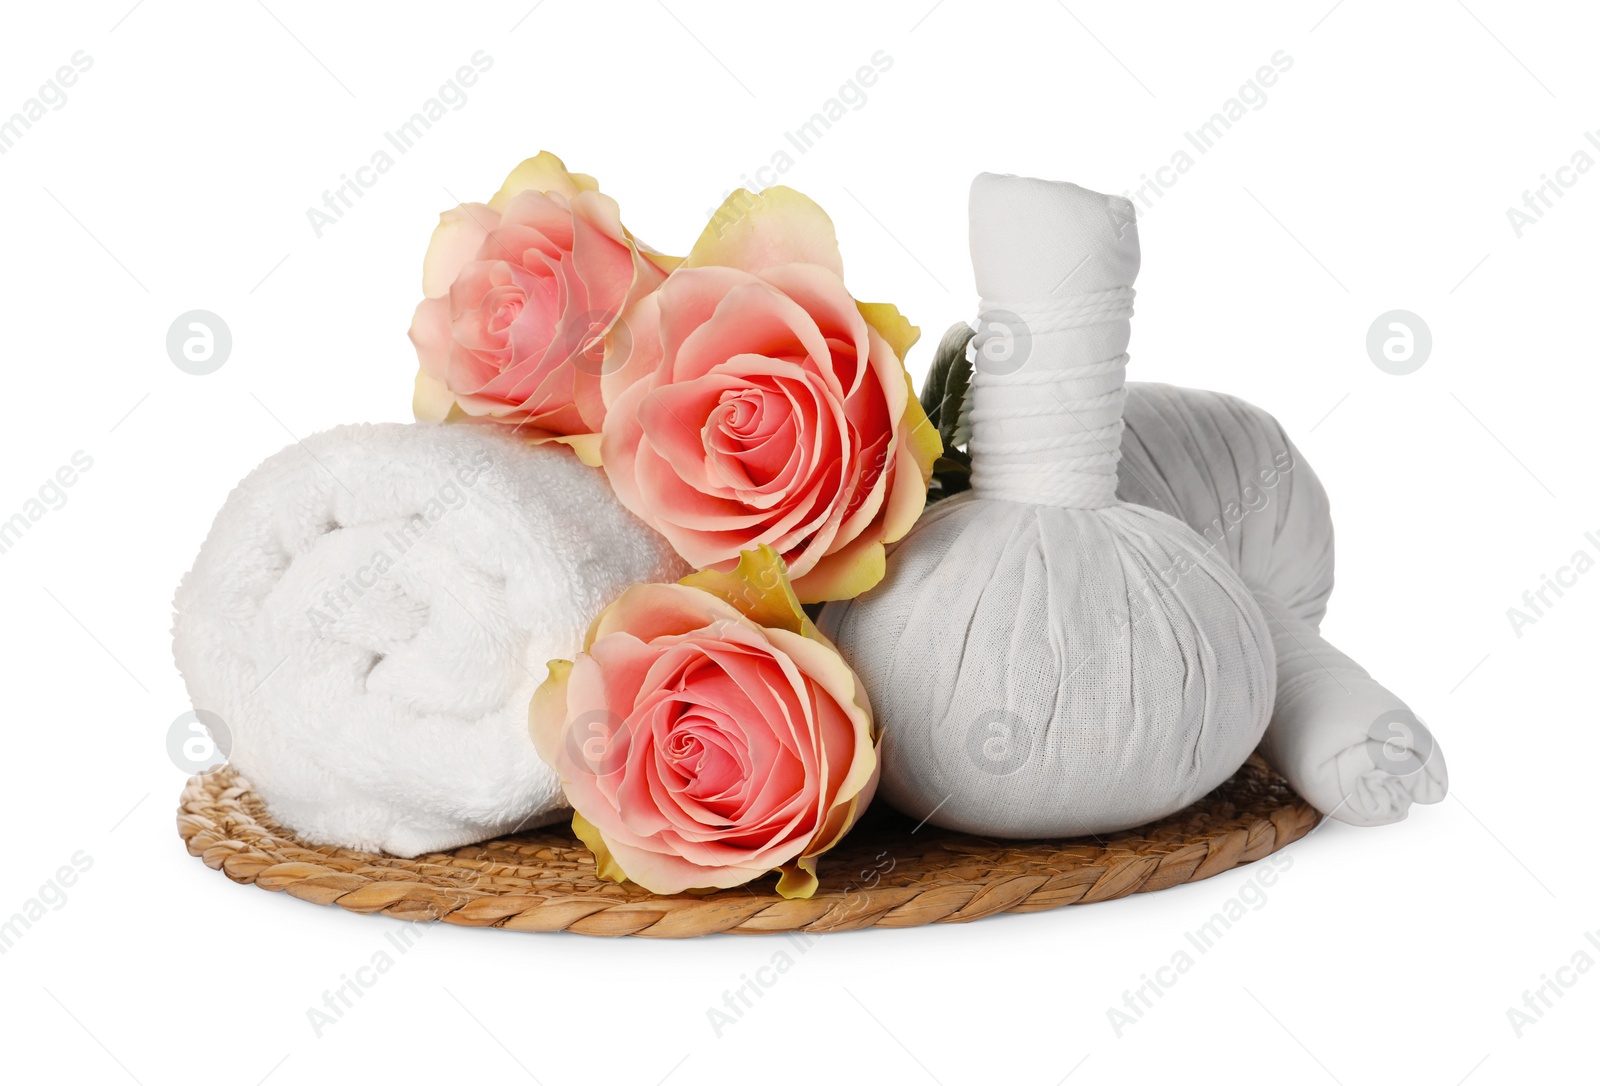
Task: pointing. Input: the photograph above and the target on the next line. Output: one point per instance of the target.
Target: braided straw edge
(415, 890)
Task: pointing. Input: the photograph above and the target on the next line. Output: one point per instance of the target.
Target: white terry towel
(1353, 749)
(371, 614)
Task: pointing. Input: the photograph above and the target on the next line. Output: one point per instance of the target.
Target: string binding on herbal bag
(1048, 388)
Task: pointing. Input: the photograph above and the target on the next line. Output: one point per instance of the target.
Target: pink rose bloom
(757, 402)
(708, 734)
(520, 293)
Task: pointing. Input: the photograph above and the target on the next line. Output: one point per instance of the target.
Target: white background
(1376, 176)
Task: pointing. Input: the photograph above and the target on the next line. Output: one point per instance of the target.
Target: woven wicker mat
(888, 873)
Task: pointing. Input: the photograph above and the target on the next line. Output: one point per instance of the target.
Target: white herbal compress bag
(1226, 468)
(1046, 659)
(372, 611)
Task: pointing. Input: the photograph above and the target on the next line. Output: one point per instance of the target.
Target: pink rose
(708, 734)
(520, 293)
(759, 403)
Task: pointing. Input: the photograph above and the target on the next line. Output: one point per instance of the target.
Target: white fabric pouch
(1046, 659)
(1226, 468)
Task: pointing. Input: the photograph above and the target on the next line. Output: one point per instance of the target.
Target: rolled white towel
(1226, 468)
(372, 611)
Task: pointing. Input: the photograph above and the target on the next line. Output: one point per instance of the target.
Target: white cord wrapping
(1050, 433)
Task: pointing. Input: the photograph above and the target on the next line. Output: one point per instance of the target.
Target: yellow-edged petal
(778, 226)
(892, 326)
(819, 659)
(841, 820)
(668, 264)
(431, 401)
(758, 588)
(544, 172)
(454, 242)
(844, 574)
(920, 448)
(796, 879)
(587, 446)
(922, 435)
(607, 864)
(547, 711)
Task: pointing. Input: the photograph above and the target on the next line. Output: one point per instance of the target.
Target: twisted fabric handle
(1049, 368)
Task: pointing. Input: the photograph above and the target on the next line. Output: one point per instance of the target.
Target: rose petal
(455, 240)
(542, 173)
(430, 400)
(779, 226)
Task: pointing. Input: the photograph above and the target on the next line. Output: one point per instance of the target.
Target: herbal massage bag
(1047, 660)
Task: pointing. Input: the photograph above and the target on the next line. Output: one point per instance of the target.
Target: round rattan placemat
(888, 873)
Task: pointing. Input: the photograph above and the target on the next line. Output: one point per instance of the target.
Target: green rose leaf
(943, 398)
